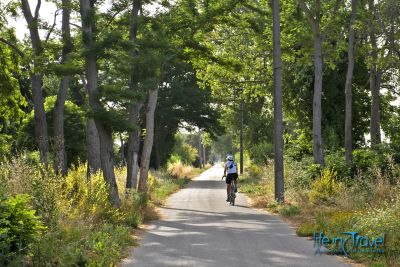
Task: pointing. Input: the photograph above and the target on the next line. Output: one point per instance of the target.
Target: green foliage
(254, 171)
(299, 146)
(74, 130)
(306, 229)
(288, 210)
(183, 151)
(325, 188)
(19, 227)
(262, 152)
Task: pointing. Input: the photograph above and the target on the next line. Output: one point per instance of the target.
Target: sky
(46, 14)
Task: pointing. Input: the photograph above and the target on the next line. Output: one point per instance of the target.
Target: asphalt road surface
(199, 228)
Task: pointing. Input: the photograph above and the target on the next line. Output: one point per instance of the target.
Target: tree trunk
(200, 153)
(348, 140)
(148, 140)
(105, 136)
(133, 148)
(134, 136)
(241, 136)
(41, 133)
(318, 150)
(60, 156)
(278, 117)
(375, 82)
(93, 147)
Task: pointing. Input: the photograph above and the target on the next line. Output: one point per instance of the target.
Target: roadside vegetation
(49, 220)
(364, 198)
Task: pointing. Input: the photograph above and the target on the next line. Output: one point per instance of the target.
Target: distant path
(200, 229)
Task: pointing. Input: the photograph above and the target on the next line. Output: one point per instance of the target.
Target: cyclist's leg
(228, 186)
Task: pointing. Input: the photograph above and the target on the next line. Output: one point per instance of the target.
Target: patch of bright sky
(48, 9)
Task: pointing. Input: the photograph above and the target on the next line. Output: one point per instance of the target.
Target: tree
(60, 159)
(278, 121)
(375, 80)
(132, 164)
(348, 87)
(88, 14)
(36, 78)
(314, 18)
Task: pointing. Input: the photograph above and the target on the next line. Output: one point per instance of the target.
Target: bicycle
(232, 195)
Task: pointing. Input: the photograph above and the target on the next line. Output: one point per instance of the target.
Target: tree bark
(134, 136)
(375, 83)
(93, 147)
(318, 150)
(105, 135)
(133, 148)
(60, 156)
(148, 141)
(36, 78)
(278, 117)
(241, 135)
(348, 129)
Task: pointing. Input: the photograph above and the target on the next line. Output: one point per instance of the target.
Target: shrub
(19, 227)
(262, 152)
(179, 170)
(336, 162)
(88, 199)
(288, 210)
(255, 172)
(325, 188)
(306, 229)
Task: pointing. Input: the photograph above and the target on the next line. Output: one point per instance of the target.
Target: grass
(369, 205)
(82, 227)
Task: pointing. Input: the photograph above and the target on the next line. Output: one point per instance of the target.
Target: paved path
(200, 229)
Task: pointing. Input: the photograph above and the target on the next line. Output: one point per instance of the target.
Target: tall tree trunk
(92, 141)
(241, 136)
(93, 147)
(148, 140)
(133, 148)
(60, 156)
(134, 136)
(199, 150)
(36, 78)
(278, 117)
(375, 83)
(105, 136)
(348, 140)
(318, 150)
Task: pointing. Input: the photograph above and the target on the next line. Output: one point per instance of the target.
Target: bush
(88, 199)
(19, 228)
(179, 170)
(262, 152)
(306, 229)
(325, 188)
(336, 162)
(255, 172)
(288, 210)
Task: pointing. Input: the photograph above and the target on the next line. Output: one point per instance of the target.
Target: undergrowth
(323, 200)
(48, 220)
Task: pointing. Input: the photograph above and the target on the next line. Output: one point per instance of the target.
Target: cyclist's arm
(225, 170)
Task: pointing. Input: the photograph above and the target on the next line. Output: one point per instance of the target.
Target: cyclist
(231, 173)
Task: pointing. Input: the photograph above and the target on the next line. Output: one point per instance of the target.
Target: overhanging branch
(13, 46)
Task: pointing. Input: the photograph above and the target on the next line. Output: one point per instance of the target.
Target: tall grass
(81, 227)
(320, 200)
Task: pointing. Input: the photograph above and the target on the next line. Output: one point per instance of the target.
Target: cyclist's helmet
(229, 158)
